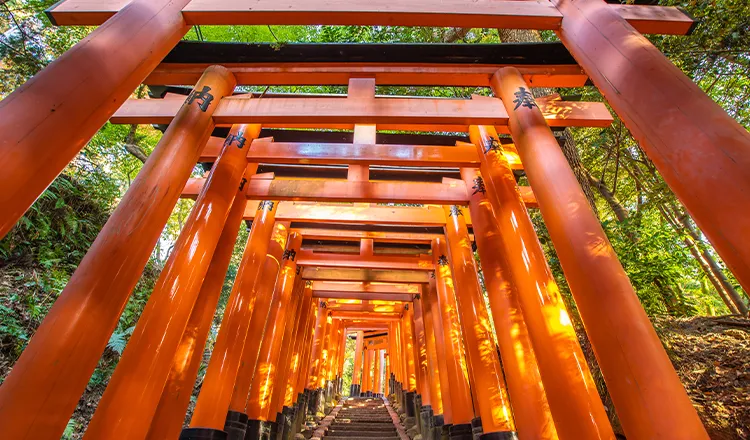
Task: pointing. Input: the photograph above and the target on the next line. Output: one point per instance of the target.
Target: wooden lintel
(354, 287)
(382, 237)
(363, 154)
(453, 193)
(366, 316)
(453, 13)
(328, 153)
(307, 258)
(556, 76)
(366, 275)
(395, 307)
(344, 112)
(400, 297)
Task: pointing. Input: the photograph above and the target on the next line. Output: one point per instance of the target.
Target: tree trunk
(569, 145)
(132, 147)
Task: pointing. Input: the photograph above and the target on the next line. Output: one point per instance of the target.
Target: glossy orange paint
(356, 373)
(410, 347)
(362, 88)
(146, 362)
(423, 373)
(175, 397)
(287, 347)
(266, 367)
(290, 356)
(216, 391)
(645, 18)
(263, 292)
(316, 352)
(441, 353)
(571, 392)
(455, 357)
(696, 146)
(401, 74)
(321, 259)
(490, 389)
(637, 370)
(322, 375)
(433, 373)
(377, 385)
(55, 367)
(528, 400)
(304, 366)
(71, 99)
(367, 371)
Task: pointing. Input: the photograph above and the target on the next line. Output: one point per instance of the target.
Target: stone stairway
(361, 418)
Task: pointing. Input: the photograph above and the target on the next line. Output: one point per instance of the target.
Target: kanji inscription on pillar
(524, 98)
(265, 204)
(491, 144)
(478, 186)
(203, 98)
(238, 138)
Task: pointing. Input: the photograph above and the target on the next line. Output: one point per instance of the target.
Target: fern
(119, 339)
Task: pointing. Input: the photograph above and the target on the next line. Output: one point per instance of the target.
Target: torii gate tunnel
(329, 255)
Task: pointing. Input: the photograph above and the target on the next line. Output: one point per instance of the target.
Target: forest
(697, 306)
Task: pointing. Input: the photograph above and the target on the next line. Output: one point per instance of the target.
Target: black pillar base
(235, 425)
(202, 434)
(409, 404)
(427, 421)
(285, 420)
(437, 429)
(258, 430)
(445, 432)
(504, 435)
(476, 427)
(461, 432)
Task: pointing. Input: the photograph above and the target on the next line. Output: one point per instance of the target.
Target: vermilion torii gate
(325, 258)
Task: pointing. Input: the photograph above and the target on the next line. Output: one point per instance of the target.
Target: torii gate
(439, 340)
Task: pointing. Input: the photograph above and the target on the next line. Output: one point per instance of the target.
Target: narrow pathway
(365, 418)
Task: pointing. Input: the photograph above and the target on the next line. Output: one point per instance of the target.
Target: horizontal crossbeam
(444, 13)
(383, 237)
(307, 258)
(327, 153)
(371, 308)
(452, 193)
(401, 297)
(366, 316)
(344, 112)
(366, 275)
(350, 287)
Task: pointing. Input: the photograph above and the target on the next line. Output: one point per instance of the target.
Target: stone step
(360, 433)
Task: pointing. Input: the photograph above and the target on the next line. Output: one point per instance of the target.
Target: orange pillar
(148, 357)
(55, 367)
(701, 152)
(421, 349)
(175, 397)
(301, 325)
(638, 373)
(411, 362)
(316, 353)
(216, 391)
(367, 372)
(263, 381)
(356, 373)
(264, 291)
(572, 395)
(377, 382)
(48, 120)
(528, 399)
(490, 389)
(309, 330)
(325, 353)
(433, 373)
(461, 407)
(287, 347)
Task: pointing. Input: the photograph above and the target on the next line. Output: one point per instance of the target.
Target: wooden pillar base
(236, 425)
